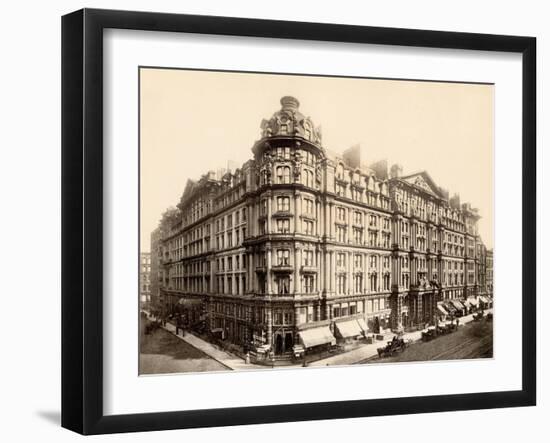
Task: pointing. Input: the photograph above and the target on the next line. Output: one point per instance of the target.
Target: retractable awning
(442, 310)
(317, 336)
(348, 328)
(363, 325)
(473, 301)
(457, 304)
(450, 307)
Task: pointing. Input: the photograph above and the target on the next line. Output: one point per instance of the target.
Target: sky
(195, 121)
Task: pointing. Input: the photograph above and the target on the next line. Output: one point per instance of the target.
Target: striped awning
(442, 310)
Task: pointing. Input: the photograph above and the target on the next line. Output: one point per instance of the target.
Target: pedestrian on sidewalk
(179, 324)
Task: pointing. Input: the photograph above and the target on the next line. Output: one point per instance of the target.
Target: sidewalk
(229, 360)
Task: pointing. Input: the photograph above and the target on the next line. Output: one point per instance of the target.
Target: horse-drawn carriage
(397, 344)
(152, 326)
(478, 316)
(429, 334)
(446, 328)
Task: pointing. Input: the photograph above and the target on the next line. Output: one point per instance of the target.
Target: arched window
(283, 174)
(286, 174)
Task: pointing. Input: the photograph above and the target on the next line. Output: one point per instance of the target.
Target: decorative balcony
(308, 269)
(285, 267)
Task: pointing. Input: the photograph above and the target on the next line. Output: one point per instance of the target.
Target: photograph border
(82, 220)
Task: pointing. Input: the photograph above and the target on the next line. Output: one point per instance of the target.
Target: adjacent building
(302, 246)
(489, 272)
(145, 278)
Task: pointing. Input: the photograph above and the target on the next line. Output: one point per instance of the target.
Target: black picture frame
(82, 220)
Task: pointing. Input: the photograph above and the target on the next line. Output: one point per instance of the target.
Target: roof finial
(288, 102)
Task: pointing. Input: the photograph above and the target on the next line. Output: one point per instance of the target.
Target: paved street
(473, 340)
(368, 351)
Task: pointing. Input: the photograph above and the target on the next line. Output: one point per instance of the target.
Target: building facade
(489, 272)
(145, 278)
(300, 245)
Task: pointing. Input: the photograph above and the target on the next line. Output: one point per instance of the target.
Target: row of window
(227, 221)
(352, 308)
(230, 238)
(373, 283)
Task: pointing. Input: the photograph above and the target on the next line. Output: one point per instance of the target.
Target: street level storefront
(348, 329)
(315, 338)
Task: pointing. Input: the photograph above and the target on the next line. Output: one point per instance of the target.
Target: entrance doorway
(278, 344)
(376, 326)
(289, 342)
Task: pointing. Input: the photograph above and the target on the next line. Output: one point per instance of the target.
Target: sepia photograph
(293, 221)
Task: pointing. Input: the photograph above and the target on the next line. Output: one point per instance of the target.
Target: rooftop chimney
(396, 171)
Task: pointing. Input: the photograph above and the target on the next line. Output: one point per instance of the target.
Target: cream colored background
(194, 121)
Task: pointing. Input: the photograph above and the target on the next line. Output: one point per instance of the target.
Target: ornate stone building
(303, 246)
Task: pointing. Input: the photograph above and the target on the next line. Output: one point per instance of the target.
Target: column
(331, 222)
(328, 312)
(269, 212)
(212, 276)
(325, 270)
(297, 212)
(349, 230)
(269, 322)
(318, 312)
(326, 219)
(320, 277)
(365, 274)
(318, 218)
(268, 270)
(350, 273)
(297, 263)
(332, 270)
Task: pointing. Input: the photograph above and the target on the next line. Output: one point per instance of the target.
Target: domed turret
(290, 122)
